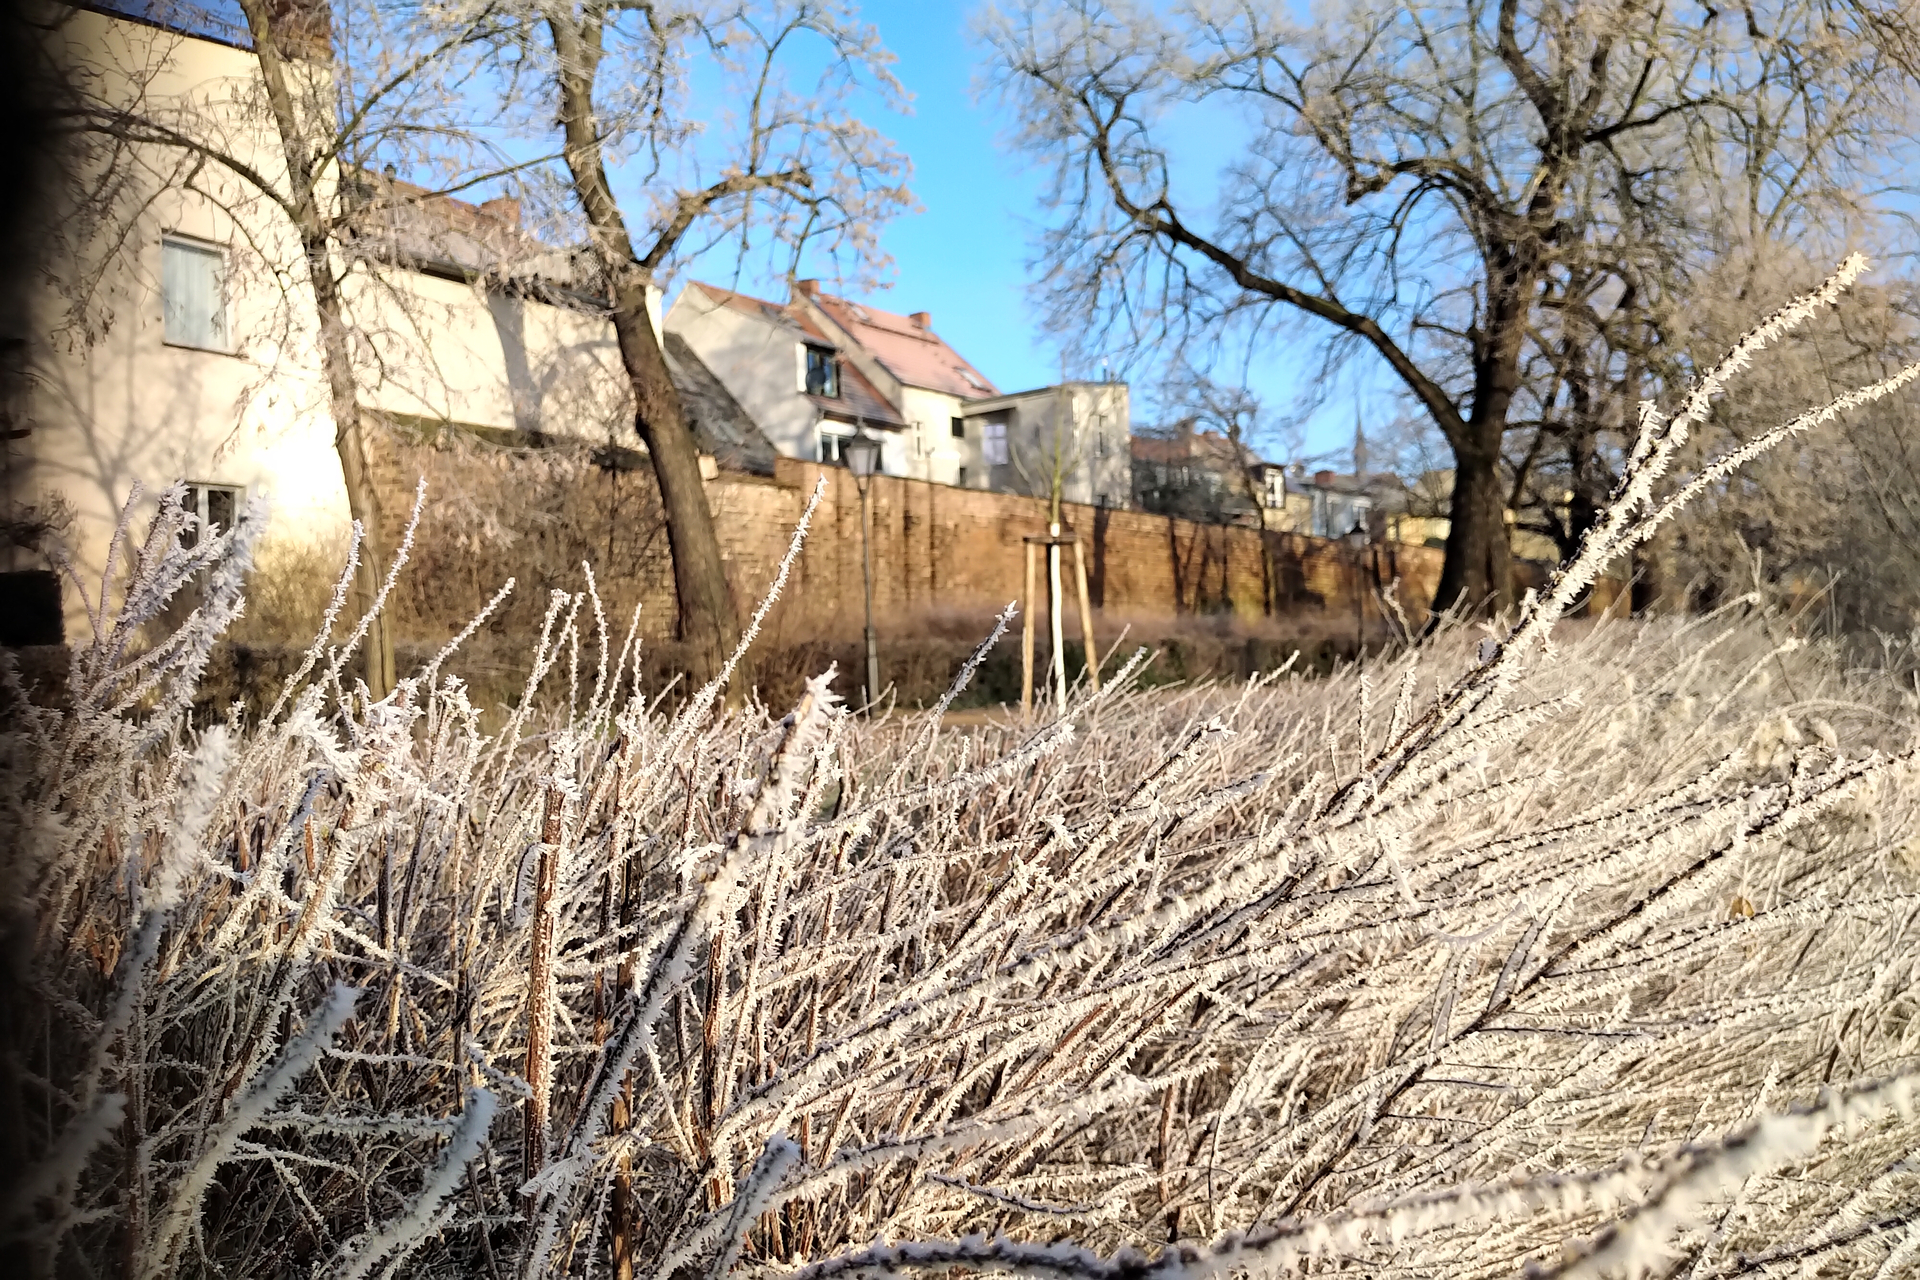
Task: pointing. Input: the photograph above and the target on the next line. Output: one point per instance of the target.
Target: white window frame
(837, 432)
(994, 448)
(199, 501)
(220, 253)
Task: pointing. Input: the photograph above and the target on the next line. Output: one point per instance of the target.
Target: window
(959, 428)
(217, 505)
(963, 471)
(993, 444)
(1334, 515)
(193, 294)
(831, 445)
(823, 373)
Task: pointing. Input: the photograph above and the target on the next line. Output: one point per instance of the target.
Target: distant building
(1199, 475)
(1424, 517)
(1330, 504)
(813, 370)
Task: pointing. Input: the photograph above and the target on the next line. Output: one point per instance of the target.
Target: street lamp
(1356, 540)
(862, 455)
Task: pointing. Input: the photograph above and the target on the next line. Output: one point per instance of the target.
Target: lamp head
(862, 454)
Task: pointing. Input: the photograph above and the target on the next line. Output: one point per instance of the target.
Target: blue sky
(964, 257)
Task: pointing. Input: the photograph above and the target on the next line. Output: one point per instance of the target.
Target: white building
(815, 369)
(209, 370)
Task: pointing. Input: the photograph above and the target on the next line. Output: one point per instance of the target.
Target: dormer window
(823, 373)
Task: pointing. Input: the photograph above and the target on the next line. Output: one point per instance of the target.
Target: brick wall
(940, 548)
(936, 549)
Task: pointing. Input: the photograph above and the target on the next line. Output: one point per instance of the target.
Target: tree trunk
(363, 499)
(1477, 572)
(708, 623)
(277, 36)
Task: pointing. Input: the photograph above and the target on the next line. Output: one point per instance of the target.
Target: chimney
(1324, 479)
(922, 319)
(302, 28)
(502, 209)
(809, 287)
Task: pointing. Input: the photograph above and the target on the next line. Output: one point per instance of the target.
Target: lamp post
(862, 455)
(1356, 540)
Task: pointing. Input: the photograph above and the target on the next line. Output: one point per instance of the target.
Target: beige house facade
(179, 342)
(203, 366)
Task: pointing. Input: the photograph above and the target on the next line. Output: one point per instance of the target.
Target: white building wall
(928, 449)
(1082, 426)
(759, 363)
(453, 350)
(1107, 410)
(762, 364)
(130, 407)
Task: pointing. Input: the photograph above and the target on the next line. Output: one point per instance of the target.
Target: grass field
(1584, 948)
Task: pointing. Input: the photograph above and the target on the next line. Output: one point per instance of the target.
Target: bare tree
(655, 178)
(1829, 528)
(1417, 178)
(1231, 482)
(1235, 411)
(340, 91)
(1629, 313)
(1045, 459)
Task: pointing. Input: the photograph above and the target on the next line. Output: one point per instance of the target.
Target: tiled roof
(911, 353)
(858, 401)
(1207, 448)
(440, 235)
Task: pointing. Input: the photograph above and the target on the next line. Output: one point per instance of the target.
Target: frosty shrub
(1586, 950)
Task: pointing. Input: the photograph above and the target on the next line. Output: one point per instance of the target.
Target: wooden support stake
(1086, 616)
(1026, 641)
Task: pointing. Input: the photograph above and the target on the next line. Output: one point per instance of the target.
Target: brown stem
(540, 986)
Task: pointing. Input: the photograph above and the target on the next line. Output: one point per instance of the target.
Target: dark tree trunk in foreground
(708, 623)
(707, 620)
(281, 32)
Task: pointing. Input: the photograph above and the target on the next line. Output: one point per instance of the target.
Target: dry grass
(1521, 949)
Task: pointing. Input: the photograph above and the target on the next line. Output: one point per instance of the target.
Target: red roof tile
(1209, 448)
(912, 353)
